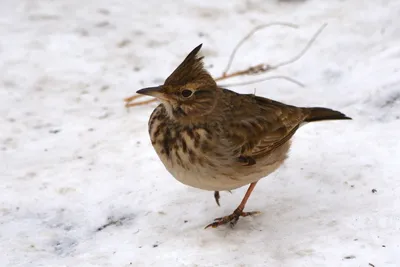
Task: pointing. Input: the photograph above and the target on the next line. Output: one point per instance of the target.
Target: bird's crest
(190, 70)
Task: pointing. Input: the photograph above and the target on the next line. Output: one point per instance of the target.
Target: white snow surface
(73, 159)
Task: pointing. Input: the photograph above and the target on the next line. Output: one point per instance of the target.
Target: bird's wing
(259, 125)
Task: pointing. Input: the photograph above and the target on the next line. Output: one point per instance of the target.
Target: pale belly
(221, 178)
(202, 179)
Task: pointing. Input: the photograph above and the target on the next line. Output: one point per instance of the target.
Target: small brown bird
(215, 139)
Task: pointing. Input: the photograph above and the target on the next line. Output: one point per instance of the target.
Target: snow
(82, 186)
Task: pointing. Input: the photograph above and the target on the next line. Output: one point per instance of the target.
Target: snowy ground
(82, 186)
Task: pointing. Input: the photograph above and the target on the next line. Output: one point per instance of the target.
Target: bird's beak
(156, 91)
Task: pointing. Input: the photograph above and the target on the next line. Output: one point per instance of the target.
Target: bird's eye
(186, 93)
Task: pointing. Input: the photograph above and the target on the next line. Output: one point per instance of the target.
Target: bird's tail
(321, 114)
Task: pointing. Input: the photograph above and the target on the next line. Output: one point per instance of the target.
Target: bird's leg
(216, 196)
(234, 217)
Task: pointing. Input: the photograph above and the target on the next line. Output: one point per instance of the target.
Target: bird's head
(189, 92)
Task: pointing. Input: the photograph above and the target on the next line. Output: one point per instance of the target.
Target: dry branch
(241, 42)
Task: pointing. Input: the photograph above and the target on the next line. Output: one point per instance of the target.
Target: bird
(215, 139)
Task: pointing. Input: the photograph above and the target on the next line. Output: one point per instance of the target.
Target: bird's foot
(231, 219)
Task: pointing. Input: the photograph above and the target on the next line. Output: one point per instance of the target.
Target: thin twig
(265, 79)
(260, 68)
(131, 98)
(145, 102)
(256, 29)
(302, 52)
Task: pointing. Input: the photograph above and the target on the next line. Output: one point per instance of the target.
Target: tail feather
(321, 114)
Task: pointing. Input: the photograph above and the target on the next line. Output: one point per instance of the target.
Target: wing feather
(260, 125)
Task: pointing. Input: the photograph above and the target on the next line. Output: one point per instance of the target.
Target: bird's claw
(231, 219)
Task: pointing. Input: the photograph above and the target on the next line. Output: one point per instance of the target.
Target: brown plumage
(215, 139)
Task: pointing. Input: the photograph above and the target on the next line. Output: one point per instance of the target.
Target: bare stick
(262, 68)
(128, 104)
(251, 70)
(302, 52)
(131, 98)
(265, 79)
(256, 29)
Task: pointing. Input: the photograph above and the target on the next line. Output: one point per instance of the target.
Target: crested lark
(215, 139)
